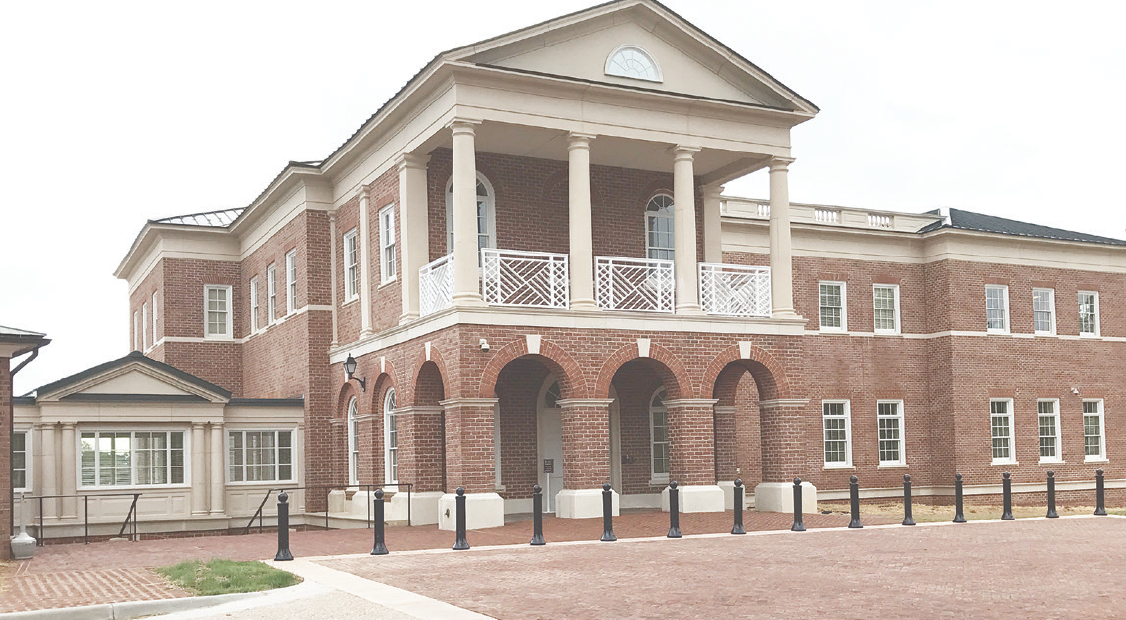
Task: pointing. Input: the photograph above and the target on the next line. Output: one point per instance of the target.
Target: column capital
(462, 125)
(68, 426)
(574, 403)
(577, 139)
(780, 163)
(683, 152)
(217, 425)
(364, 192)
(198, 426)
(712, 192)
(411, 161)
(332, 216)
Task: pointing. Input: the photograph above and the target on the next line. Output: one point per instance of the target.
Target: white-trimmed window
(271, 294)
(387, 264)
(391, 438)
(291, 282)
(154, 319)
(260, 456)
(996, 309)
(145, 326)
(217, 300)
(353, 442)
(21, 468)
(132, 458)
(1088, 313)
(1093, 431)
(837, 425)
(889, 422)
(885, 308)
(254, 304)
(832, 306)
(660, 235)
(1048, 411)
(1001, 430)
(486, 222)
(351, 266)
(631, 61)
(136, 331)
(1044, 311)
(659, 437)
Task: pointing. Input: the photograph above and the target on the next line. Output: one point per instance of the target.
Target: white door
(551, 455)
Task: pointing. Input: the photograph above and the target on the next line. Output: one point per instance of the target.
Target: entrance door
(550, 431)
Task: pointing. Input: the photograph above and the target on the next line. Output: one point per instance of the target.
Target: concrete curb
(136, 609)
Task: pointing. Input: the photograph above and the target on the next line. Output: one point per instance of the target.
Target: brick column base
(586, 458)
(470, 464)
(783, 460)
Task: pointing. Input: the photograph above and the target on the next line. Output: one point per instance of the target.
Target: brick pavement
(1035, 568)
(75, 574)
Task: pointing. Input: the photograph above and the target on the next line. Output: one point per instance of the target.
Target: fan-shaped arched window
(486, 222)
(633, 62)
(659, 435)
(390, 438)
(659, 228)
(353, 442)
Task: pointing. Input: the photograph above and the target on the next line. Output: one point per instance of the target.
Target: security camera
(484, 345)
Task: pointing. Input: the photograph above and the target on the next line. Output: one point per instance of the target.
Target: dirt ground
(923, 513)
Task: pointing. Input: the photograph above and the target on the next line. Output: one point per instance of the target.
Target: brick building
(608, 315)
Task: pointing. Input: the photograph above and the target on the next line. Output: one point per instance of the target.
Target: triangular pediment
(133, 378)
(687, 60)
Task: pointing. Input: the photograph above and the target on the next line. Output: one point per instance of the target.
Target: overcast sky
(113, 113)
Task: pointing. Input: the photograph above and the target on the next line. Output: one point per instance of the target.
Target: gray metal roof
(12, 331)
(212, 219)
(968, 220)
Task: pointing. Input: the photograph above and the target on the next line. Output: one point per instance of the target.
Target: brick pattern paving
(1067, 568)
(75, 574)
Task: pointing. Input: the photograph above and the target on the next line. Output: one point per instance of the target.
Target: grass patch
(226, 577)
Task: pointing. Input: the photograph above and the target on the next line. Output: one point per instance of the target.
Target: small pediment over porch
(136, 378)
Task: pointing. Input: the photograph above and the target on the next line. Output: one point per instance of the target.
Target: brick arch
(347, 392)
(767, 372)
(386, 378)
(407, 396)
(652, 189)
(566, 369)
(669, 367)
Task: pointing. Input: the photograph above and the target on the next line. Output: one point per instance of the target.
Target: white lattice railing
(436, 285)
(735, 290)
(634, 284)
(511, 278)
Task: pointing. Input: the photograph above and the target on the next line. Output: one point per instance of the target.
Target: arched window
(659, 228)
(551, 396)
(659, 435)
(486, 222)
(633, 62)
(390, 438)
(353, 443)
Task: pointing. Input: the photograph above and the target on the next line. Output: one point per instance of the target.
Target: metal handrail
(131, 517)
(368, 488)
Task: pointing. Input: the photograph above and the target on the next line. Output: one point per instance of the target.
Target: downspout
(12, 425)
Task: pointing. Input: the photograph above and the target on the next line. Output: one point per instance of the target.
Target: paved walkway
(107, 572)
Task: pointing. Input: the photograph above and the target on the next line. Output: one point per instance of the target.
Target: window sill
(832, 467)
(1099, 460)
(1044, 334)
(386, 283)
(351, 301)
(994, 332)
(1051, 462)
(658, 482)
(1006, 462)
(834, 330)
(219, 338)
(887, 333)
(893, 466)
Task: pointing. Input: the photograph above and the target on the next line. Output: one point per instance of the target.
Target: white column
(332, 278)
(684, 231)
(414, 238)
(467, 291)
(199, 470)
(48, 460)
(365, 265)
(70, 468)
(580, 231)
(218, 479)
(713, 241)
(781, 265)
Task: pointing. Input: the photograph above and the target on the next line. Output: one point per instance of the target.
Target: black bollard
(907, 517)
(674, 511)
(459, 507)
(738, 527)
(1007, 496)
(798, 526)
(607, 514)
(958, 516)
(380, 547)
(537, 516)
(283, 554)
(1052, 495)
(1100, 509)
(854, 497)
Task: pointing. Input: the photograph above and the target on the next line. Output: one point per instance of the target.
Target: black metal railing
(130, 517)
(328, 489)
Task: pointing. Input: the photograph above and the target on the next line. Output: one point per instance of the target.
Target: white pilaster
(70, 464)
(781, 255)
(684, 232)
(466, 290)
(713, 242)
(199, 470)
(217, 475)
(580, 232)
(414, 240)
(365, 264)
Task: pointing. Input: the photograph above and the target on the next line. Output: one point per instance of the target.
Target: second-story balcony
(512, 278)
(635, 284)
(735, 290)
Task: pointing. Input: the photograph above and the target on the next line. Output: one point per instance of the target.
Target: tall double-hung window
(996, 309)
(1094, 448)
(838, 433)
(271, 294)
(889, 420)
(390, 438)
(254, 304)
(1088, 313)
(885, 308)
(831, 306)
(291, 282)
(1001, 430)
(132, 458)
(1044, 311)
(659, 436)
(353, 442)
(1049, 419)
(21, 481)
(145, 326)
(351, 266)
(217, 304)
(486, 220)
(660, 239)
(387, 258)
